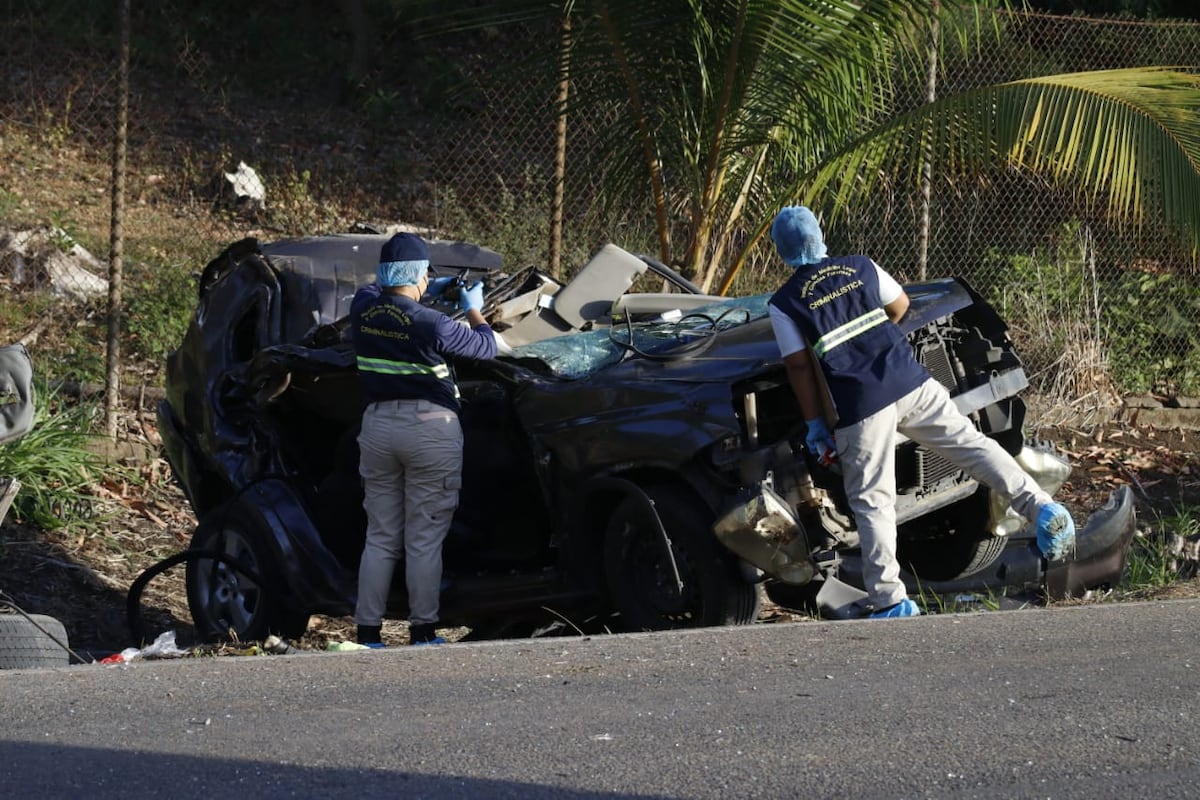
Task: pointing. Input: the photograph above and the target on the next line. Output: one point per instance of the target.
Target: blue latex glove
(436, 286)
(472, 297)
(1055, 531)
(820, 442)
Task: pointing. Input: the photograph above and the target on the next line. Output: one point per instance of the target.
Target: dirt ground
(84, 579)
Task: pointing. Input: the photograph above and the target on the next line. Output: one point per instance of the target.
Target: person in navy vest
(838, 315)
(411, 442)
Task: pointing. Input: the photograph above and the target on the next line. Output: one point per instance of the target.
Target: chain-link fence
(334, 139)
(1099, 311)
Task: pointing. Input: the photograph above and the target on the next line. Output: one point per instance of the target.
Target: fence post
(926, 162)
(560, 150)
(112, 380)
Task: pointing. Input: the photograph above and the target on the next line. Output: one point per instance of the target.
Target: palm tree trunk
(714, 173)
(731, 222)
(112, 377)
(647, 142)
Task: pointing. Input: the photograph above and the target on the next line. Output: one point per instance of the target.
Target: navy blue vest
(396, 344)
(867, 362)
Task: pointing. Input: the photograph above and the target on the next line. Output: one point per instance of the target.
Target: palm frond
(1126, 140)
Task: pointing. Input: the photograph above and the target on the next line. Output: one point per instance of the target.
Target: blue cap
(402, 261)
(797, 236)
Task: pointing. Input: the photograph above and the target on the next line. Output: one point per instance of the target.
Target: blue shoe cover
(1055, 531)
(375, 645)
(905, 608)
(434, 640)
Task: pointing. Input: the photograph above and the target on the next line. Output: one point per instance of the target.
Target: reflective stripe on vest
(844, 333)
(383, 366)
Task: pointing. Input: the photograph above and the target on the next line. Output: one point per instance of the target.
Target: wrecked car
(634, 460)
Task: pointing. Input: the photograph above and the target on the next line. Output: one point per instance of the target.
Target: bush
(160, 304)
(1087, 328)
(1150, 318)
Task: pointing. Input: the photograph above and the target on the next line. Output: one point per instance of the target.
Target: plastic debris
(162, 647)
(345, 647)
(247, 185)
(278, 647)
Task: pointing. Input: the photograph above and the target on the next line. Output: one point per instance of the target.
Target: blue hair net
(797, 236)
(401, 273)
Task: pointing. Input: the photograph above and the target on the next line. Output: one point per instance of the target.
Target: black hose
(704, 336)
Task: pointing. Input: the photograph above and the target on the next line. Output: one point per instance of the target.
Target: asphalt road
(1086, 702)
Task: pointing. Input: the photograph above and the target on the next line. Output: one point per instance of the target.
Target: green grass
(933, 603)
(55, 466)
(1155, 560)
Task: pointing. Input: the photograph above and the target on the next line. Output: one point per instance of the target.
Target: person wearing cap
(838, 315)
(411, 442)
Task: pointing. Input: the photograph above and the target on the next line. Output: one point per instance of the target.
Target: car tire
(954, 559)
(39, 641)
(228, 603)
(960, 549)
(640, 578)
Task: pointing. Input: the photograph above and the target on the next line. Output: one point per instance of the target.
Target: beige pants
(411, 465)
(867, 452)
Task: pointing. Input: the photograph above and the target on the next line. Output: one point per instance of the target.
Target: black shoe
(369, 634)
(423, 633)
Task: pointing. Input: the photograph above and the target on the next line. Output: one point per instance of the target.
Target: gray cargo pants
(867, 453)
(411, 465)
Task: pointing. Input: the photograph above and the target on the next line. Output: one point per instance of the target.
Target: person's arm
(799, 366)
(897, 308)
(807, 385)
(891, 294)
(476, 342)
(797, 362)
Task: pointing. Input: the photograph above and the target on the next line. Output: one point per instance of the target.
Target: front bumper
(1101, 551)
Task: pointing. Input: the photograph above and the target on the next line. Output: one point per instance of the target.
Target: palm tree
(1126, 139)
(719, 111)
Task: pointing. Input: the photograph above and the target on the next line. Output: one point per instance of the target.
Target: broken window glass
(674, 335)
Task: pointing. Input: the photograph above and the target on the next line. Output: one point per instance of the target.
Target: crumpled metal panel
(16, 392)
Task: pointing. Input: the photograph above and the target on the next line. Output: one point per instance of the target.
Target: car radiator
(921, 471)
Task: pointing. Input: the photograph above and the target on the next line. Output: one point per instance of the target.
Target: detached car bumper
(16, 409)
(1101, 549)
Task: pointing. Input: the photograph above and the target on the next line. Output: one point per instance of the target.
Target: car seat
(587, 299)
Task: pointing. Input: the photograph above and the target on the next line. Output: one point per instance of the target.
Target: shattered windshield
(676, 335)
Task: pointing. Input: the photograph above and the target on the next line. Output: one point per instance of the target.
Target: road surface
(1074, 702)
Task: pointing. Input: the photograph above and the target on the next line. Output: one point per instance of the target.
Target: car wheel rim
(233, 595)
(654, 579)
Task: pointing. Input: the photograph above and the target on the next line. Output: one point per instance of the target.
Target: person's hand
(820, 442)
(436, 287)
(471, 297)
